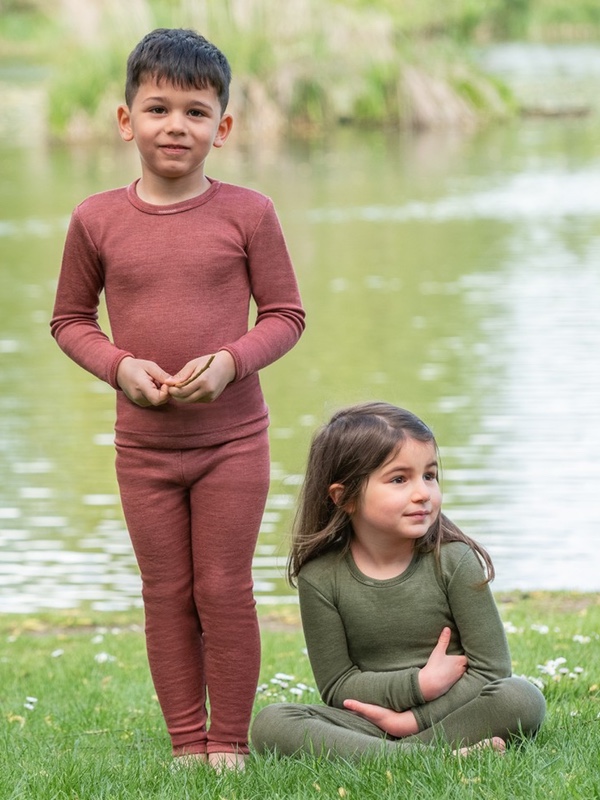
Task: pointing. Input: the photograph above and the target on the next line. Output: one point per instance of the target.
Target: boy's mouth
(174, 148)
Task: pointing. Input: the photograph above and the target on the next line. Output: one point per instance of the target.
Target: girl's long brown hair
(347, 450)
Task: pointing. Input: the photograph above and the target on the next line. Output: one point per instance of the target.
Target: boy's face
(174, 129)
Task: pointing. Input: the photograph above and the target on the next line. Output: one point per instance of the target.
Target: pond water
(455, 275)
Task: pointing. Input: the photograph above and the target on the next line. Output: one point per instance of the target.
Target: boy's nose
(175, 123)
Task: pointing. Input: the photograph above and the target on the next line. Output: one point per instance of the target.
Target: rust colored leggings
(193, 517)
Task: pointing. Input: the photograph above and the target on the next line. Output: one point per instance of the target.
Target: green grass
(79, 719)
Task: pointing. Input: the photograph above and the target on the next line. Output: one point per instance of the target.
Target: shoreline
(283, 618)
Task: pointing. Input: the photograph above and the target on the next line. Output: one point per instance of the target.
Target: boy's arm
(280, 316)
(74, 322)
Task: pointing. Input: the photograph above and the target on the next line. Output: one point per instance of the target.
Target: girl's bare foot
(224, 761)
(495, 743)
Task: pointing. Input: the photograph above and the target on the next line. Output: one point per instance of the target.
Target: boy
(178, 256)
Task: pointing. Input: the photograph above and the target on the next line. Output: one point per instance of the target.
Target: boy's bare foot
(495, 743)
(188, 760)
(224, 761)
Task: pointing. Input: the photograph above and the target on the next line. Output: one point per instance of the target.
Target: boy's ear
(224, 130)
(124, 120)
(336, 491)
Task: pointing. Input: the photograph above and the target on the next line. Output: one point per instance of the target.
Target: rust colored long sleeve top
(178, 281)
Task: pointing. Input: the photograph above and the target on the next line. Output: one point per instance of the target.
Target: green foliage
(583, 12)
(377, 103)
(82, 82)
(488, 96)
(341, 63)
(309, 102)
(79, 719)
(26, 32)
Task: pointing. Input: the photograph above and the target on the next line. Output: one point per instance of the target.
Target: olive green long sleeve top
(367, 639)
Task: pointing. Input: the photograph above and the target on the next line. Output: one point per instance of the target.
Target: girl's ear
(336, 491)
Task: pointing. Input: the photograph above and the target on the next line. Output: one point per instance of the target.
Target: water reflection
(455, 276)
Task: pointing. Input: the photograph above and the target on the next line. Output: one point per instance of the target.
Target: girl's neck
(381, 563)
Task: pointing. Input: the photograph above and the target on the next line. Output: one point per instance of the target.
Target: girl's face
(401, 499)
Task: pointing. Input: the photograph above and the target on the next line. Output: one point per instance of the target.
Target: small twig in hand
(195, 375)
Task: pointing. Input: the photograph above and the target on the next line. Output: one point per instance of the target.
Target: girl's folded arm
(482, 638)
(337, 677)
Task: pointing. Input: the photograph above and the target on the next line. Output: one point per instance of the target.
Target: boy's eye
(157, 110)
(195, 112)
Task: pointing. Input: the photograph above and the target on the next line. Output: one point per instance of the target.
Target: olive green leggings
(506, 708)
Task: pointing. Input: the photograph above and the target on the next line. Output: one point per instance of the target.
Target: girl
(403, 635)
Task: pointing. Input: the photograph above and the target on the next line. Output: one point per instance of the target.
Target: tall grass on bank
(79, 719)
(303, 64)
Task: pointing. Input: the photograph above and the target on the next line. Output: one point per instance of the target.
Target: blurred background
(436, 168)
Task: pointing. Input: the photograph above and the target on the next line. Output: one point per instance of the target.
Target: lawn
(79, 718)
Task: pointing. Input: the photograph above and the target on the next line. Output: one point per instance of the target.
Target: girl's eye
(399, 479)
(430, 476)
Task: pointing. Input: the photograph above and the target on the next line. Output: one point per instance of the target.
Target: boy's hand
(203, 379)
(441, 671)
(396, 723)
(143, 382)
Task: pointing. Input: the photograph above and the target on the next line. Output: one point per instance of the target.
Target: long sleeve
(74, 322)
(280, 317)
(482, 639)
(178, 282)
(336, 672)
(367, 639)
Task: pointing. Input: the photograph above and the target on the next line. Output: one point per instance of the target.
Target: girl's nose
(421, 491)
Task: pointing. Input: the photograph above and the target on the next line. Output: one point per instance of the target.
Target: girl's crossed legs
(506, 708)
(193, 517)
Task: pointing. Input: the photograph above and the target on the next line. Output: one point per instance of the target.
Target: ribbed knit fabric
(367, 640)
(178, 281)
(193, 517)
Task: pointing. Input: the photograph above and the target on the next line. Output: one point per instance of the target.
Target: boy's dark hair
(182, 57)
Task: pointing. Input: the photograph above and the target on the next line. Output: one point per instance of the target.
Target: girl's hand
(441, 671)
(396, 723)
(143, 382)
(203, 379)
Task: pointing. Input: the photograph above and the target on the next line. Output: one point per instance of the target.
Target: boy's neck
(163, 192)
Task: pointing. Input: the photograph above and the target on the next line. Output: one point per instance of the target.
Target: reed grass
(303, 65)
(79, 719)
(300, 66)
